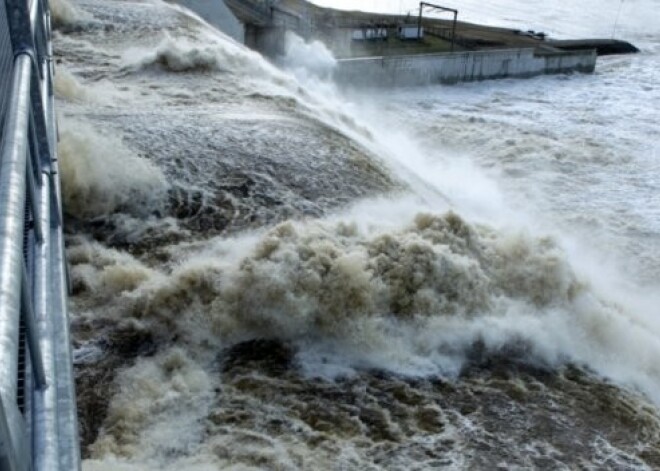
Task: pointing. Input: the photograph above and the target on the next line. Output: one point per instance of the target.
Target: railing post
(8, 460)
(32, 331)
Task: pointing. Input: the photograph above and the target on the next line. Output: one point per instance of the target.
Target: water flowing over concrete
(275, 273)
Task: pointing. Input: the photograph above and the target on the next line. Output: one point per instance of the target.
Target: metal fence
(38, 421)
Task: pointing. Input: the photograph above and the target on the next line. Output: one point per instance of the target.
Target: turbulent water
(271, 273)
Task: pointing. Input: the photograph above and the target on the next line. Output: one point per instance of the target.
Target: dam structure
(38, 419)
(405, 50)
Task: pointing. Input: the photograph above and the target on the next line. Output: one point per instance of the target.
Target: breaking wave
(65, 16)
(205, 54)
(68, 87)
(307, 59)
(414, 301)
(101, 176)
(177, 56)
(425, 300)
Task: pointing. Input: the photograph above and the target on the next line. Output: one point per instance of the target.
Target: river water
(272, 273)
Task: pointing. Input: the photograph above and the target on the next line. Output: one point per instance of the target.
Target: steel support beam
(423, 5)
(32, 332)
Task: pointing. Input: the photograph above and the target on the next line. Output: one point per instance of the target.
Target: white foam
(100, 174)
(305, 59)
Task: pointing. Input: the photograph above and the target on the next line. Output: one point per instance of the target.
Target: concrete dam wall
(401, 70)
(217, 14)
(460, 67)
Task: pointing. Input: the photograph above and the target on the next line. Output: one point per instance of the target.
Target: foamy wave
(68, 87)
(103, 92)
(170, 382)
(65, 15)
(99, 174)
(104, 271)
(182, 55)
(337, 283)
(216, 54)
(177, 57)
(414, 300)
(422, 299)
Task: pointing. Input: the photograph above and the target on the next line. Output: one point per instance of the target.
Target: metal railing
(38, 420)
(440, 8)
(449, 35)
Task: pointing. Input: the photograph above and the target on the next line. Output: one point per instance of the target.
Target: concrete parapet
(424, 69)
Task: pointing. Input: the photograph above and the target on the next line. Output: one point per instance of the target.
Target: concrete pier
(217, 14)
(425, 69)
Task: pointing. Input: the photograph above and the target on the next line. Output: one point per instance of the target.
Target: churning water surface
(270, 273)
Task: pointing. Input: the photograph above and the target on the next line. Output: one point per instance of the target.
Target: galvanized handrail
(38, 420)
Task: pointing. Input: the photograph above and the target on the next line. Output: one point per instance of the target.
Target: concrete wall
(338, 40)
(269, 41)
(216, 13)
(460, 67)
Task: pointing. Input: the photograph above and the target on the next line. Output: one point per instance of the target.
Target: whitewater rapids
(267, 277)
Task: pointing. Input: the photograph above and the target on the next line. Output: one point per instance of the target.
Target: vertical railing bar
(48, 106)
(28, 405)
(55, 208)
(35, 28)
(8, 458)
(32, 332)
(34, 151)
(41, 128)
(34, 202)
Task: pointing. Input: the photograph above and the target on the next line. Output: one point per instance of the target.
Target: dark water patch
(501, 411)
(112, 347)
(147, 239)
(269, 356)
(507, 361)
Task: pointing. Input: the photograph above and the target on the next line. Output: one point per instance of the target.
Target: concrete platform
(426, 69)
